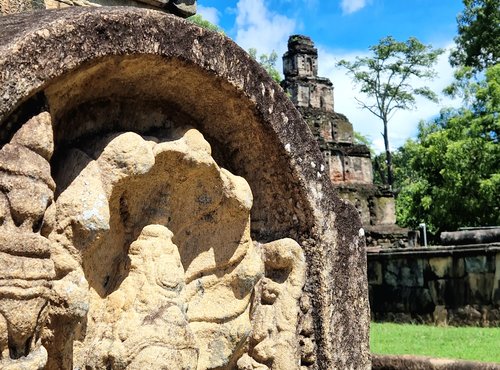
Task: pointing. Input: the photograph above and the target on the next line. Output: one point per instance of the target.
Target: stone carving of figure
(26, 269)
(143, 260)
(193, 269)
(274, 342)
(143, 324)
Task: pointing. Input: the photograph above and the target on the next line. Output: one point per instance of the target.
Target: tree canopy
(387, 79)
(268, 62)
(478, 40)
(453, 168)
(202, 22)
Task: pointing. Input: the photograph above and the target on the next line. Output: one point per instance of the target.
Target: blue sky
(343, 29)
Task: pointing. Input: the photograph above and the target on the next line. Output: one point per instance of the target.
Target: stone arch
(136, 69)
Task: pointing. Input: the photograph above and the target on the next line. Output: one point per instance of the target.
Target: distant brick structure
(349, 164)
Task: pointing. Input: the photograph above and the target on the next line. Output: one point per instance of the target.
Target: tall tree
(386, 77)
(453, 172)
(399, 160)
(478, 40)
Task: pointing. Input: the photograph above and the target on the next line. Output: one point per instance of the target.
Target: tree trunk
(388, 155)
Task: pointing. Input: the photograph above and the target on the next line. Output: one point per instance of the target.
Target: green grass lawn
(467, 343)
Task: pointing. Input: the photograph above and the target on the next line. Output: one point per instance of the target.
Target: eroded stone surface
(453, 285)
(179, 296)
(274, 339)
(26, 269)
(143, 323)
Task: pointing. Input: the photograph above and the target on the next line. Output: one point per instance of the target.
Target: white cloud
(258, 27)
(208, 13)
(403, 124)
(352, 6)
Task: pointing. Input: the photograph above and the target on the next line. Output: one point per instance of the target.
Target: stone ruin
(164, 206)
(457, 283)
(347, 164)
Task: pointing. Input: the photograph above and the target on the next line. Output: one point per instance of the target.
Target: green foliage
(453, 166)
(361, 139)
(478, 40)
(268, 62)
(385, 75)
(385, 78)
(464, 85)
(466, 343)
(202, 22)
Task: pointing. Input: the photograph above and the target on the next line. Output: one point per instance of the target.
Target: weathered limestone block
(139, 206)
(383, 210)
(441, 266)
(375, 276)
(480, 286)
(471, 236)
(478, 264)
(405, 273)
(447, 267)
(495, 295)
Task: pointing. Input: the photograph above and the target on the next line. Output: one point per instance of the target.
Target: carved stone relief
(145, 259)
(123, 241)
(26, 190)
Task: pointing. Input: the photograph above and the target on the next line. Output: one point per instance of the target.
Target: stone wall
(375, 206)
(350, 169)
(456, 285)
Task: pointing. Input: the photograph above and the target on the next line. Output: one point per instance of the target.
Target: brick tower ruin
(349, 164)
